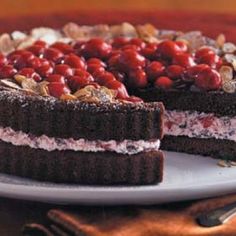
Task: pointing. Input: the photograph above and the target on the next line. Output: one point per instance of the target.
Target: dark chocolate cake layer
(75, 119)
(215, 148)
(81, 167)
(220, 103)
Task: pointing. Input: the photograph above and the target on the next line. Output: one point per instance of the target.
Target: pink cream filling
(199, 125)
(19, 138)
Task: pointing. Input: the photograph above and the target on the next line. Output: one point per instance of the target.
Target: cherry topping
(182, 45)
(130, 60)
(119, 87)
(96, 61)
(63, 69)
(183, 59)
(104, 78)
(209, 59)
(138, 42)
(155, 69)
(45, 70)
(149, 51)
(7, 71)
(202, 52)
(168, 48)
(119, 42)
(95, 68)
(74, 61)
(96, 48)
(193, 72)
(163, 82)
(63, 47)
(56, 89)
(40, 43)
(52, 54)
(208, 79)
(30, 73)
(37, 50)
(56, 78)
(137, 79)
(175, 71)
(3, 60)
(134, 99)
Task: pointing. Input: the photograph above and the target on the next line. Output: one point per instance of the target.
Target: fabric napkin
(177, 219)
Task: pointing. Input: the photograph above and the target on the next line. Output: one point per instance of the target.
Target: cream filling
(19, 138)
(199, 125)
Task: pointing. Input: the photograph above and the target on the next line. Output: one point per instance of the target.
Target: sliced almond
(229, 87)
(68, 97)
(6, 44)
(220, 40)
(229, 48)
(226, 73)
(223, 163)
(43, 88)
(10, 83)
(30, 84)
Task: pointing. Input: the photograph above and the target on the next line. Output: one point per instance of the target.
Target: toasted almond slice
(220, 40)
(68, 97)
(10, 83)
(223, 163)
(226, 73)
(229, 87)
(229, 48)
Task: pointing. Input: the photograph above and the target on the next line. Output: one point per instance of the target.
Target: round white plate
(185, 177)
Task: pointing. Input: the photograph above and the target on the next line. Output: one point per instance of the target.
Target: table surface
(14, 213)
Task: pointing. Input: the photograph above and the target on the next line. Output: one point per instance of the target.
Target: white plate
(186, 177)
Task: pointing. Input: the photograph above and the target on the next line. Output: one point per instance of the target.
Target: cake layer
(81, 167)
(75, 119)
(199, 125)
(215, 148)
(220, 103)
(19, 138)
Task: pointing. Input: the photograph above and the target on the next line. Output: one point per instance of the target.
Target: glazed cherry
(96, 48)
(118, 75)
(183, 46)
(133, 99)
(3, 60)
(19, 59)
(30, 73)
(96, 61)
(130, 60)
(7, 71)
(56, 78)
(40, 43)
(167, 49)
(45, 70)
(94, 68)
(203, 51)
(80, 79)
(52, 54)
(35, 62)
(137, 79)
(149, 51)
(118, 87)
(131, 47)
(183, 59)
(208, 79)
(163, 82)
(57, 89)
(37, 50)
(193, 72)
(63, 47)
(119, 42)
(175, 71)
(210, 59)
(63, 69)
(74, 61)
(104, 78)
(138, 42)
(155, 69)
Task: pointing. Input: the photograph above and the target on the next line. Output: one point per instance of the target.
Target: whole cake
(79, 104)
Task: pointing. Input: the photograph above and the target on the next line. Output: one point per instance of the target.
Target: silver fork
(218, 216)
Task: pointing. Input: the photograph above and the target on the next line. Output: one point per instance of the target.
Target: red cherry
(96, 61)
(192, 72)
(63, 69)
(34, 62)
(113, 61)
(45, 70)
(131, 47)
(149, 51)
(52, 54)
(118, 87)
(155, 69)
(7, 71)
(56, 78)
(20, 58)
(40, 43)
(133, 99)
(94, 68)
(130, 60)
(30, 73)
(168, 48)
(183, 59)
(175, 71)
(119, 42)
(137, 79)
(202, 52)
(183, 46)
(80, 79)
(74, 61)
(104, 78)
(37, 50)
(3, 60)
(57, 89)
(163, 82)
(63, 47)
(210, 59)
(138, 42)
(96, 47)
(118, 75)
(208, 79)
